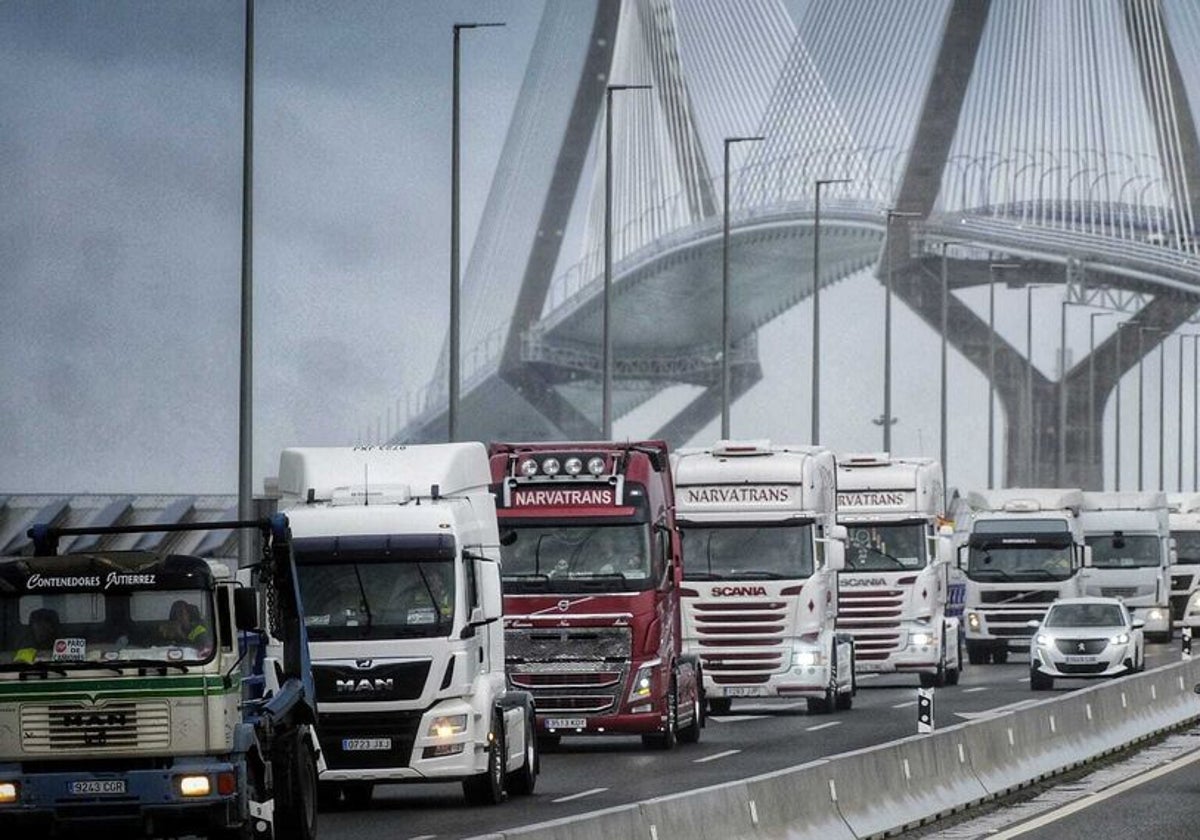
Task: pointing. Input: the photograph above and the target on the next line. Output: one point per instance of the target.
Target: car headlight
(807, 658)
(920, 639)
(1120, 639)
(643, 681)
(447, 726)
(973, 621)
(1045, 640)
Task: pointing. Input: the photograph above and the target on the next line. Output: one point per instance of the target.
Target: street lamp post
(1117, 446)
(1162, 408)
(944, 391)
(1179, 424)
(1092, 448)
(816, 328)
(455, 273)
(1028, 435)
(991, 447)
(1141, 412)
(725, 342)
(606, 327)
(246, 367)
(886, 420)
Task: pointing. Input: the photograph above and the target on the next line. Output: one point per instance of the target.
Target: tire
(719, 705)
(1039, 681)
(487, 788)
(977, 654)
(953, 674)
(690, 734)
(295, 790)
(523, 780)
(844, 702)
(358, 795)
(669, 739)
(821, 705)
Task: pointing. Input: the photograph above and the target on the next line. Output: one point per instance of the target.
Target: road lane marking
(973, 690)
(999, 710)
(591, 792)
(715, 756)
(733, 718)
(1095, 798)
(905, 705)
(823, 725)
(1023, 680)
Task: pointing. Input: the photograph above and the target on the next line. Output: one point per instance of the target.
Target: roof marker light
(596, 465)
(550, 466)
(573, 466)
(528, 467)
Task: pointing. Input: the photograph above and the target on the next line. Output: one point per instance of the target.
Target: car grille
(1080, 647)
(143, 725)
(1096, 668)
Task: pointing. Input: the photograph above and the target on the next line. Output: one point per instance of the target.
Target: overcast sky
(120, 172)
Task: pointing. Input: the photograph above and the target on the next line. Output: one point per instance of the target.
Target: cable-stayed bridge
(1057, 138)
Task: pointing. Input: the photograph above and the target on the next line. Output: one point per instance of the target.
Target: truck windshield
(576, 557)
(113, 629)
(1114, 551)
(1187, 546)
(758, 551)
(375, 599)
(878, 548)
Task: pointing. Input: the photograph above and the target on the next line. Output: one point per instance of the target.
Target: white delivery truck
(894, 591)
(1129, 535)
(761, 552)
(1184, 520)
(1024, 550)
(397, 552)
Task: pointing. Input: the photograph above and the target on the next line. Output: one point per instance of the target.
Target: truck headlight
(9, 792)
(807, 658)
(643, 681)
(194, 785)
(448, 726)
(920, 639)
(1155, 615)
(973, 621)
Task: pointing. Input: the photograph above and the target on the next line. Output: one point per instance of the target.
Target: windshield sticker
(69, 650)
(422, 615)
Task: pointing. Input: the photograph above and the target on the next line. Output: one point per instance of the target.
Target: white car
(1085, 638)
(1191, 613)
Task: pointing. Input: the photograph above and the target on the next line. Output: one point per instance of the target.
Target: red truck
(591, 572)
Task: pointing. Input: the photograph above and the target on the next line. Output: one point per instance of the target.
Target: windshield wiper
(363, 592)
(150, 664)
(437, 608)
(703, 576)
(899, 563)
(525, 576)
(754, 574)
(1000, 573)
(1043, 574)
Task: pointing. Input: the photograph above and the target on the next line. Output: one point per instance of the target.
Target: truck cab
(592, 574)
(895, 588)
(397, 556)
(1184, 522)
(1130, 541)
(1024, 550)
(762, 550)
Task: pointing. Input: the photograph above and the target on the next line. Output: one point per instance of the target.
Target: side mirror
(487, 576)
(837, 532)
(962, 553)
(835, 554)
(1087, 557)
(1138, 623)
(245, 609)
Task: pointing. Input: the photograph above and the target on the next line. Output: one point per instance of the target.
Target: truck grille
(740, 641)
(90, 727)
(1119, 591)
(399, 727)
(578, 670)
(567, 644)
(1182, 583)
(872, 617)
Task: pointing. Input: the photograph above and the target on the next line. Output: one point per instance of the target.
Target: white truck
(1024, 550)
(761, 553)
(894, 591)
(1129, 535)
(1184, 521)
(397, 552)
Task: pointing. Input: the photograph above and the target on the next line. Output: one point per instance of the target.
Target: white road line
(591, 792)
(715, 756)
(905, 705)
(1095, 798)
(973, 690)
(424, 837)
(823, 725)
(1023, 680)
(733, 718)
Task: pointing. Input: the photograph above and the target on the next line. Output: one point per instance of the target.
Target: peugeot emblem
(1082, 647)
(564, 605)
(363, 663)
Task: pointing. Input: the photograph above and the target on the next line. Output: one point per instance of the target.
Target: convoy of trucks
(1130, 540)
(592, 577)
(762, 551)
(146, 693)
(895, 589)
(1024, 549)
(399, 570)
(1184, 522)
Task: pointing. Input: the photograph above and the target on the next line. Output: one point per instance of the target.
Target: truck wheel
(668, 739)
(358, 795)
(295, 790)
(522, 780)
(719, 705)
(977, 654)
(952, 674)
(487, 788)
(690, 734)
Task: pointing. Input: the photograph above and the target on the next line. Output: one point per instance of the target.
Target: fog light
(441, 750)
(195, 785)
(642, 709)
(973, 621)
(9, 792)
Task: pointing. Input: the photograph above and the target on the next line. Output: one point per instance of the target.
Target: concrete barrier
(884, 789)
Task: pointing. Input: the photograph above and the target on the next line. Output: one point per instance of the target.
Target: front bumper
(1113, 661)
(627, 723)
(797, 681)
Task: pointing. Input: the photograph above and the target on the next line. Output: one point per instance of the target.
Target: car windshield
(1187, 546)
(878, 548)
(761, 551)
(567, 554)
(375, 599)
(1085, 615)
(1117, 551)
(80, 629)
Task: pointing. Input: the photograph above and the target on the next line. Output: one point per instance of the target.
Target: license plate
(1081, 660)
(566, 723)
(93, 787)
(742, 691)
(363, 744)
